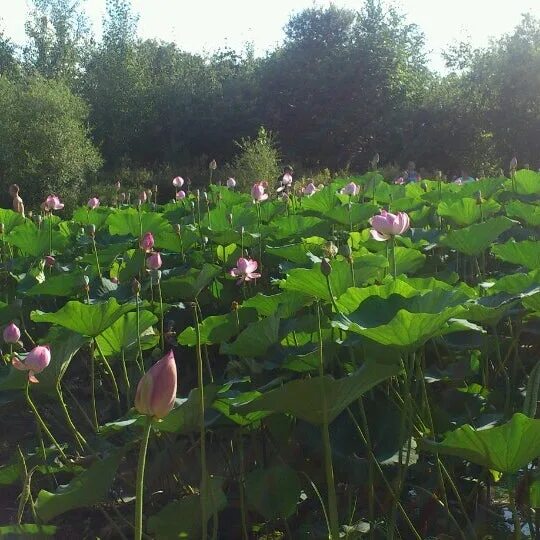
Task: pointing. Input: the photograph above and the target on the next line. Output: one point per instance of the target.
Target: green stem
(79, 439)
(41, 422)
(109, 371)
(93, 389)
(202, 426)
(394, 265)
(162, 315)
(329, 469)
(140, 479)
(241, 488)
(96, 256)
(126, 379)
(371, 490)
(139, 346)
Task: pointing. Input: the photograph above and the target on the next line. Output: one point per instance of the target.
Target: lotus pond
(233, 365)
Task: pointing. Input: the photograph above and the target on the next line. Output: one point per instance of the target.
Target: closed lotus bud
(345, 250)
(122, 197)
(177, 228)
(212, 165)
(39, 219)
(93, 203)
(156, 391)
(197, 194)
(11, 333)
(235, 305)
(91, 230)
(205, 240)
(155, 188)
(513, 163)
(326, 269)
(438, 175)
(230, 219)
(149, 193)
(205, 196)
(375, 159)
(153, 262)
(86, 282)
(501, 173)
(146, 243)
(118, 185)
(135, 286)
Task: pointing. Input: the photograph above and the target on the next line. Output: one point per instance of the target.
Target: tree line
(342, 86)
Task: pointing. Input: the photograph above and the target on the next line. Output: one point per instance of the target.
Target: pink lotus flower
(93, 203)
(231, 183)
(52, 202)
(156, 391)
(310, 189)
(286, 179)
(153, 262)
(257, 192)
(49, 261)
(11, 334)
(458, 181)
(178, 182)
(35, 362)
(386, 225)
(146, 243)
(245, 270)
(351, 189)
(180, 195)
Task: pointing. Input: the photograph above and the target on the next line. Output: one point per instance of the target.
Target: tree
(44, 141)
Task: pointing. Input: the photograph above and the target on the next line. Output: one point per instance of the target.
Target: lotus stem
(139, 493)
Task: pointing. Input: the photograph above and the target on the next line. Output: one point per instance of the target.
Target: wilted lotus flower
(231, 183)
(310, 189)
(146, 243)
(49, 261)
(399, 181)
(180, 195)
(212, 165)
(93, 203)
(257, 192)
(156, 391)
(35, 362)
(153, 262)
(245, 270)
(350, 189)
(11, 334)
(178, 182)
(52, 202)
(386, 225)
(114, 279)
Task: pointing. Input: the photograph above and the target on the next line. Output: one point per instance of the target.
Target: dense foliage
(332, 379)
(340, 87)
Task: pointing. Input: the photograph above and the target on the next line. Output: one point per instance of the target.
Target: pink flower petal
(376, 235)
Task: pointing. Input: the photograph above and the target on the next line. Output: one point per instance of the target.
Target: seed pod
(326, 269)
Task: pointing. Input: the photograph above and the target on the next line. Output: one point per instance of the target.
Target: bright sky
(204, 25)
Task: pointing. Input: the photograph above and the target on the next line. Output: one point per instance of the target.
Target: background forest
(77, 112)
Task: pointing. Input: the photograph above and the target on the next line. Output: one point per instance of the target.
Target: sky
(205, 25)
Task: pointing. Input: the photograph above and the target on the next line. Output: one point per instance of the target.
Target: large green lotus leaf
(27, 531)
(490, 309)
(515, 283)
(107, 254)
(323, 202)
(286, 303)
(486, 186)
(254, 340)
(122, 334)
(526, 253)
(66, 284)
(505, 448)
(467, 211)
(219, 328)
(296, 253)
(86, 489)
(274, 492)
(360, 213)
(303, 397)
(529, 213)
(10, 219)
(476, 238)
(133, 261)
(97, 216)
(431, 283)
(189, 285)
(532, 303)
(64, 344)
(8, 312)
(527, 182)
(353, 297)
(34, 241)
(171, 241)
(407, 330)
(534, 493)
(130, 221)
(296, 226)
(86, 319)
(408, 260)
(218, 218)
(182, 518)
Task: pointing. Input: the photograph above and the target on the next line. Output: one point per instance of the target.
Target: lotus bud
(231, 183)
(135, 286)
(35, 362)
(180, 195)
(438, 175)
(11, 333)
(235, 306)
(501, 173)
(205, 240)
(149, 193)
(146, 243)
(49, 261)
(513, 163)
(156, 391)
(122, 197)
(197, 194)
(230, 219)
(346, 251)
(93, 203)
(178, 228)
(205, 196)
(118, 185)
(326, 269)
(39, 219)
(154, 262)
(212, 165)
(86, 282)
(155, 188)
